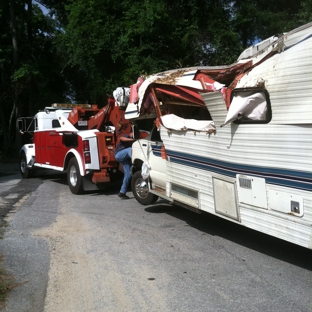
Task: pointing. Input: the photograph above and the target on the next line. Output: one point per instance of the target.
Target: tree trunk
(30, 44)
(13, 33)
(15, 92)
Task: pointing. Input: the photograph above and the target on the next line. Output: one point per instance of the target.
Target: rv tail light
(87, 157)
(86, 146)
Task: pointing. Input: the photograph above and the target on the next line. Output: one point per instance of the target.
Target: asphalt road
(97, 253)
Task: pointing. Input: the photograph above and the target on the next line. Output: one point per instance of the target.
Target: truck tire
(26, 172)
(74, 178)
(140, 191)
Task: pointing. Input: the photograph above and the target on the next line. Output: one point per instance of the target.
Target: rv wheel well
(137, 164)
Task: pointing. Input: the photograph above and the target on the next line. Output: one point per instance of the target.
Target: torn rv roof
(208, 78)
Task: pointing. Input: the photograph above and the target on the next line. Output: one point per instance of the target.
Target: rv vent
(184, 191)
(245, 183)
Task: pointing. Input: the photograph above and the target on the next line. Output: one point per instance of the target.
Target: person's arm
(126, 139)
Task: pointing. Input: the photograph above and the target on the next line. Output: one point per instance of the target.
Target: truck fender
(29, 150)
(79, 160)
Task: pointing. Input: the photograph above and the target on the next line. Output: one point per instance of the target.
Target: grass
(7, 283)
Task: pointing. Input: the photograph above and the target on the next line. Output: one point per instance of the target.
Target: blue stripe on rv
(282, 177)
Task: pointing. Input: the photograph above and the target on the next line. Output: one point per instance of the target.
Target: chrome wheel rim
(141, 188)
(73, 175)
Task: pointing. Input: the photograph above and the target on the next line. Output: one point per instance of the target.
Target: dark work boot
(123, 196)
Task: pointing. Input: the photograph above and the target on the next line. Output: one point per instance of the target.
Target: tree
(29, 65)
(83, 49)
(114, 42)
(305, 12)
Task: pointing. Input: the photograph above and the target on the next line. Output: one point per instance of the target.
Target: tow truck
(77, 138)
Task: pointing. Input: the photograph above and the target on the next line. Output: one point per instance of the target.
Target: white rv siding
(256, 174)
(284, 225)
(284, 145)
(287, 76)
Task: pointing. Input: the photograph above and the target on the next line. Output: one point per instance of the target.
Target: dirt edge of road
(7, 281)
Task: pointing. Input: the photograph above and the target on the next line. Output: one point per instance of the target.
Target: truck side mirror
(20, 125)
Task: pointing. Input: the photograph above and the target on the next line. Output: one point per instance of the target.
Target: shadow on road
(215, 226)
(61, 178)
(55, 176)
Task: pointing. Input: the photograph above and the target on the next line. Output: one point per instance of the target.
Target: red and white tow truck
(77, 138)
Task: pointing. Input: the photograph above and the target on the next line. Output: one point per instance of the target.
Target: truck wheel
(26, 172)
(74, 178)
(140, 191)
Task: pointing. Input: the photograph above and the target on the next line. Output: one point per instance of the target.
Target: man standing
(123, 155)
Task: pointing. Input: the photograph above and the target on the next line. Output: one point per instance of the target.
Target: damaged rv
(234, 141)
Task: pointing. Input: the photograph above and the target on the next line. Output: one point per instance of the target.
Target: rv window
(250, 105)
(175, 122)
(189, 111)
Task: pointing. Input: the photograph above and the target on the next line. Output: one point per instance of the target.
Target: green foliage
(114, 42)
(83, 49)
(305, 12)
(24, 72)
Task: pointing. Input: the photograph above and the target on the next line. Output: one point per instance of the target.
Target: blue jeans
(124, 157)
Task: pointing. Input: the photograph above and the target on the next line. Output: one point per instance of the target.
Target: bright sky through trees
(44, 9)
